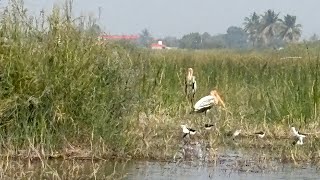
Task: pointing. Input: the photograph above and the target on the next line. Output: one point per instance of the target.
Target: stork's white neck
(190, 74)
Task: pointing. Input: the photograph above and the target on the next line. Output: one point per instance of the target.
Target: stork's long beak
(220, 101)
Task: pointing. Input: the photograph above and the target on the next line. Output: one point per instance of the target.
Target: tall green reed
(59, 83)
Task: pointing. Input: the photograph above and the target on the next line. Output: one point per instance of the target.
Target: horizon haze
(177, 18)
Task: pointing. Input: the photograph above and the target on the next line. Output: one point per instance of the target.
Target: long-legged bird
(190, 85)
(207, 102)
(300, 136)
(187, 130)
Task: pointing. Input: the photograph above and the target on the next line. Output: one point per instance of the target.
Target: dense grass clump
(59, 85)
(60, 88)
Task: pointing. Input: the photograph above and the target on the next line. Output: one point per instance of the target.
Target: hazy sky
(179, 17)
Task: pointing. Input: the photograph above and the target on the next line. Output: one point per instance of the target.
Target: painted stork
(190, 85)
(207, 102)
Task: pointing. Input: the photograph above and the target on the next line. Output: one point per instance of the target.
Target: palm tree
(251, 26)
(269, 25)
(289, 30)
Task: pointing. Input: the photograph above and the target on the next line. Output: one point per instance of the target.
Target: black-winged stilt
(208, 126)
(260, 134)
(187, 130)
(299, 135)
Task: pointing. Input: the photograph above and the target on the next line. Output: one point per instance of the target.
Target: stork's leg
(192, 98)
(204, 117)
(208, 118)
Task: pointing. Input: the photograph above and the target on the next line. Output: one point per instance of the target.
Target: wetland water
(229, 165)
(155, 170)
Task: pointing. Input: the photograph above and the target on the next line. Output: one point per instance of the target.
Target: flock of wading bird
(213, 99)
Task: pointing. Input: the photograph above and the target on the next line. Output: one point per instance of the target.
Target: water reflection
(227, 164)
(200, 170)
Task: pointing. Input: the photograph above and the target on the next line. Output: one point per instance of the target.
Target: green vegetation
(271, 30)
(65, 94)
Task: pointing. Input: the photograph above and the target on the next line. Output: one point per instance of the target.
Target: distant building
(119, 37)
(158, 45)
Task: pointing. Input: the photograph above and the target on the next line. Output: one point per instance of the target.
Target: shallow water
(156, 170)
(228, 165)
(225, 164)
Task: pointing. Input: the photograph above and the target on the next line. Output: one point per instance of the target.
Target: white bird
(190, 85)
(260, 134)
(299, 135)
(236, 133)
(187, 130)
(300, 141)
(207, 102)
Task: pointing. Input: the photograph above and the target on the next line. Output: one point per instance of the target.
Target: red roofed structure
(158, 45)
(119, 37)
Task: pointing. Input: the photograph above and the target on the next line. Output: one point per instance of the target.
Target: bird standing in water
(207, 102)
(190, 85)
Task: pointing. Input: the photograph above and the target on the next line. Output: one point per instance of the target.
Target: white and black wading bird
(187, 131)
(260, 134)
(207, 102)
(299, 136)
(190, 85)
(208, 126)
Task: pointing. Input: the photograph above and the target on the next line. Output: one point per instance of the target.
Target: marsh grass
(65, 94)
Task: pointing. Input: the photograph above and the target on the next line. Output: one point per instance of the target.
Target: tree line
(258, 30)
(269, 29)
